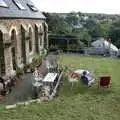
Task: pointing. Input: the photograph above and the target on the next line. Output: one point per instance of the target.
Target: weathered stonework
(21, 42)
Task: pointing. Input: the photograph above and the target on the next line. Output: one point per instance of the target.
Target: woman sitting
(87, 78)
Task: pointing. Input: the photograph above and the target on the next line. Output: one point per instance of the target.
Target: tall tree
(114, 33)
(100, 30)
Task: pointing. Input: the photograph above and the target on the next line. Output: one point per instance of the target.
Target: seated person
(87, 78)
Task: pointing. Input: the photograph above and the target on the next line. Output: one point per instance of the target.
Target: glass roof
(32, 7)
(19, 5)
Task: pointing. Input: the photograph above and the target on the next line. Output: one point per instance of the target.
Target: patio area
(22, 91)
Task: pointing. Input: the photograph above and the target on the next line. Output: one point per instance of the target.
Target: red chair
(74, 75)
(104, 81)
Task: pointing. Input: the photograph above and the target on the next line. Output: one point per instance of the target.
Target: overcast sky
(91, 6)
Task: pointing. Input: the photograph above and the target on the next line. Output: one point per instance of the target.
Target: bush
(44, 52)
(27, 67)
(36, 61)
(19, 71)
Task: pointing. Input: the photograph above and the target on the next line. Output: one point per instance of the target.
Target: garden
(80, 102)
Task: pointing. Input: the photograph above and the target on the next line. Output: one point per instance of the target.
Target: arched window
(2, 61)
(36, 39)
(23, 45)
(41, 35)
(13, 39)
(30, 39)
(13, 35)
(45, 29)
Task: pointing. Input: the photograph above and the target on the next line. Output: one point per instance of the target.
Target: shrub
(27, 67)
(36, 61)
(19, 71)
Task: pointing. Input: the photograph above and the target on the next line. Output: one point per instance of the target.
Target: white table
(49, 79)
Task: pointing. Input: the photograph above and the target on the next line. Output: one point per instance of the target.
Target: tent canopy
(104, 44)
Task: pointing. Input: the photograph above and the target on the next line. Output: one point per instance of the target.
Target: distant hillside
(80, 18)
(84, 26)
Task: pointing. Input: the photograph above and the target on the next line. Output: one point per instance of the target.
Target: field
(80, 102)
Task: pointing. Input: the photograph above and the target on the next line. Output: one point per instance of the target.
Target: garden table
(49, 79)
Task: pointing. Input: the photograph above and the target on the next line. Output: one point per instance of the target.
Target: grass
(79, 103)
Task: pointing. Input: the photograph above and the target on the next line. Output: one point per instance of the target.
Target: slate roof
(12, 11)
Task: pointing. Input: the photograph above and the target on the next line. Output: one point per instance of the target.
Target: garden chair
(46, 91)
(73, 79)
(104, 81)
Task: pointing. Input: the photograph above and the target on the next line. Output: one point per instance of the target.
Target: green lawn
(79, 103)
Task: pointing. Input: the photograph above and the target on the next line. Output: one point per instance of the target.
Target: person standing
(36, 74)
(47, 64)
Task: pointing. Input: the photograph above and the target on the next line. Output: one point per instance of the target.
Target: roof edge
(22, 18)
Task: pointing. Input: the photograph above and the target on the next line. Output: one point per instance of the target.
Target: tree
(83, 35)
(90, 23)
(100, 30)
(114, 33)
(56, 24)
(72, 18)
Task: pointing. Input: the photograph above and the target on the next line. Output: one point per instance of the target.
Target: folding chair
(104, 81)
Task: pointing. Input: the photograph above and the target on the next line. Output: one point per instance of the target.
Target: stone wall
(7, 26)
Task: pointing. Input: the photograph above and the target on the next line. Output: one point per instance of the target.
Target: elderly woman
(37, 75)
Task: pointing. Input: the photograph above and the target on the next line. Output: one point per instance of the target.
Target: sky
(89, 6)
